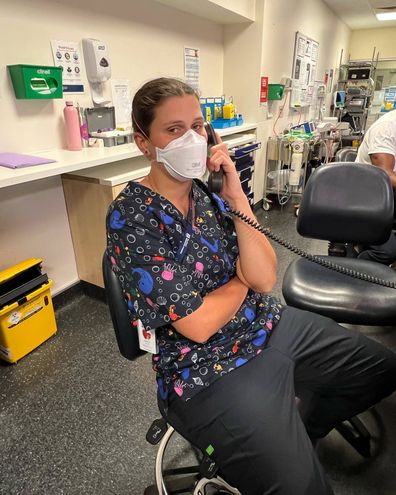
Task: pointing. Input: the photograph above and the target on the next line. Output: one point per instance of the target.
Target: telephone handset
(215, 184)
(215, 179)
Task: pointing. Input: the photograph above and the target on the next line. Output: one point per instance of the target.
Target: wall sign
(67, 56)
(306, 51)
(191, 67)
(264, 90)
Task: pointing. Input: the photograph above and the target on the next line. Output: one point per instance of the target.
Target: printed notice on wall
(67, 56)
(306, 51)
(122, 102)
(191, 67)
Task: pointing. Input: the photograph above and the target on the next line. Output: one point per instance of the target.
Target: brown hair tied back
(152, 94)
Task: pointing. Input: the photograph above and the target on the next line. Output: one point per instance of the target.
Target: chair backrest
(347, 202)
(346, 155)
(126, 333)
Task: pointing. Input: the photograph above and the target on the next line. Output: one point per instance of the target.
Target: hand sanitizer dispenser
(97, 66)
(96, 59)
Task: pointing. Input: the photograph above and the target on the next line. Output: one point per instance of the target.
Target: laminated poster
(306, 51)
(122, 102)
(191, 67)
(67, 56)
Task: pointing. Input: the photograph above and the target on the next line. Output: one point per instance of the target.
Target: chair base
(357, 435)
(176, 484)
(194, 486)
(189, 479)
(186, 479)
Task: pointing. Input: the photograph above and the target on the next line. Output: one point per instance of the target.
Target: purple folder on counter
(16, 160)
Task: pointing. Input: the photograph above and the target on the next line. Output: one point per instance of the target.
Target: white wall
(266, 49)
(363, 42)
(145, 40)
(245, 8)
(221, 11)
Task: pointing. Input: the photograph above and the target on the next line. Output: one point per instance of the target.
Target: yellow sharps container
(27, 316)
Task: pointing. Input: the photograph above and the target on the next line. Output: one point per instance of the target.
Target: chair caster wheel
(267, 204)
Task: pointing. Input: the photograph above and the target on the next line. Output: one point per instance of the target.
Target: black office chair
(344, 203)
(347, 154)
(201, 479)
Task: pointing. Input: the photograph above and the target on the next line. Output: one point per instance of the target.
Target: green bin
(37, 82)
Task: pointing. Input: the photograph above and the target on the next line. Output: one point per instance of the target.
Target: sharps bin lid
(20, 279)
(19, 268)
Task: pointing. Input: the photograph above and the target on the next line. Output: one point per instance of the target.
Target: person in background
(231, 358)
(379, 148)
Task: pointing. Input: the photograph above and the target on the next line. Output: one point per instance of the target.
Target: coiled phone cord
(311, 257)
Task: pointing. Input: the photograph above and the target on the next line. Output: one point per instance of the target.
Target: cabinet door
(87, 204)
(117, 189)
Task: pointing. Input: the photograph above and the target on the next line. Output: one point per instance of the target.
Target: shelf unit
(70, 161)
(356, 88)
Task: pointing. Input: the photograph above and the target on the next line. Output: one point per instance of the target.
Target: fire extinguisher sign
(264, 90)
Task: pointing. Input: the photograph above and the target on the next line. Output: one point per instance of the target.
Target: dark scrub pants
(250, 416)
(382, 253)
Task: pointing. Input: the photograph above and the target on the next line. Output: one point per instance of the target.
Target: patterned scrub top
(144, 235)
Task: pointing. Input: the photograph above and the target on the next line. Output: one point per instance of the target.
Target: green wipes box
(37, 82)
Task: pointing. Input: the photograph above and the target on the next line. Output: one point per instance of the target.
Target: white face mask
(185, 157)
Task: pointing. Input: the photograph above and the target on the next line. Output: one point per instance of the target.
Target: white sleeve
(382, 139)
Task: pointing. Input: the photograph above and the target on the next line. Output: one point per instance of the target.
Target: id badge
(147, 340)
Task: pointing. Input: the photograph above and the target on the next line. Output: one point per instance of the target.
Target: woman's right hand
(220, 158)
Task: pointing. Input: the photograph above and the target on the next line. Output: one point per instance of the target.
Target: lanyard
(190, 220)
(181, 253)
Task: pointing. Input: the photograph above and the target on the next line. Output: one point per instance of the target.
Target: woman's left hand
(219, 157)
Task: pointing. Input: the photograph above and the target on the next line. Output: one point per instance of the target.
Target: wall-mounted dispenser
(275, 91)
(97, 66)
(37, 82)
